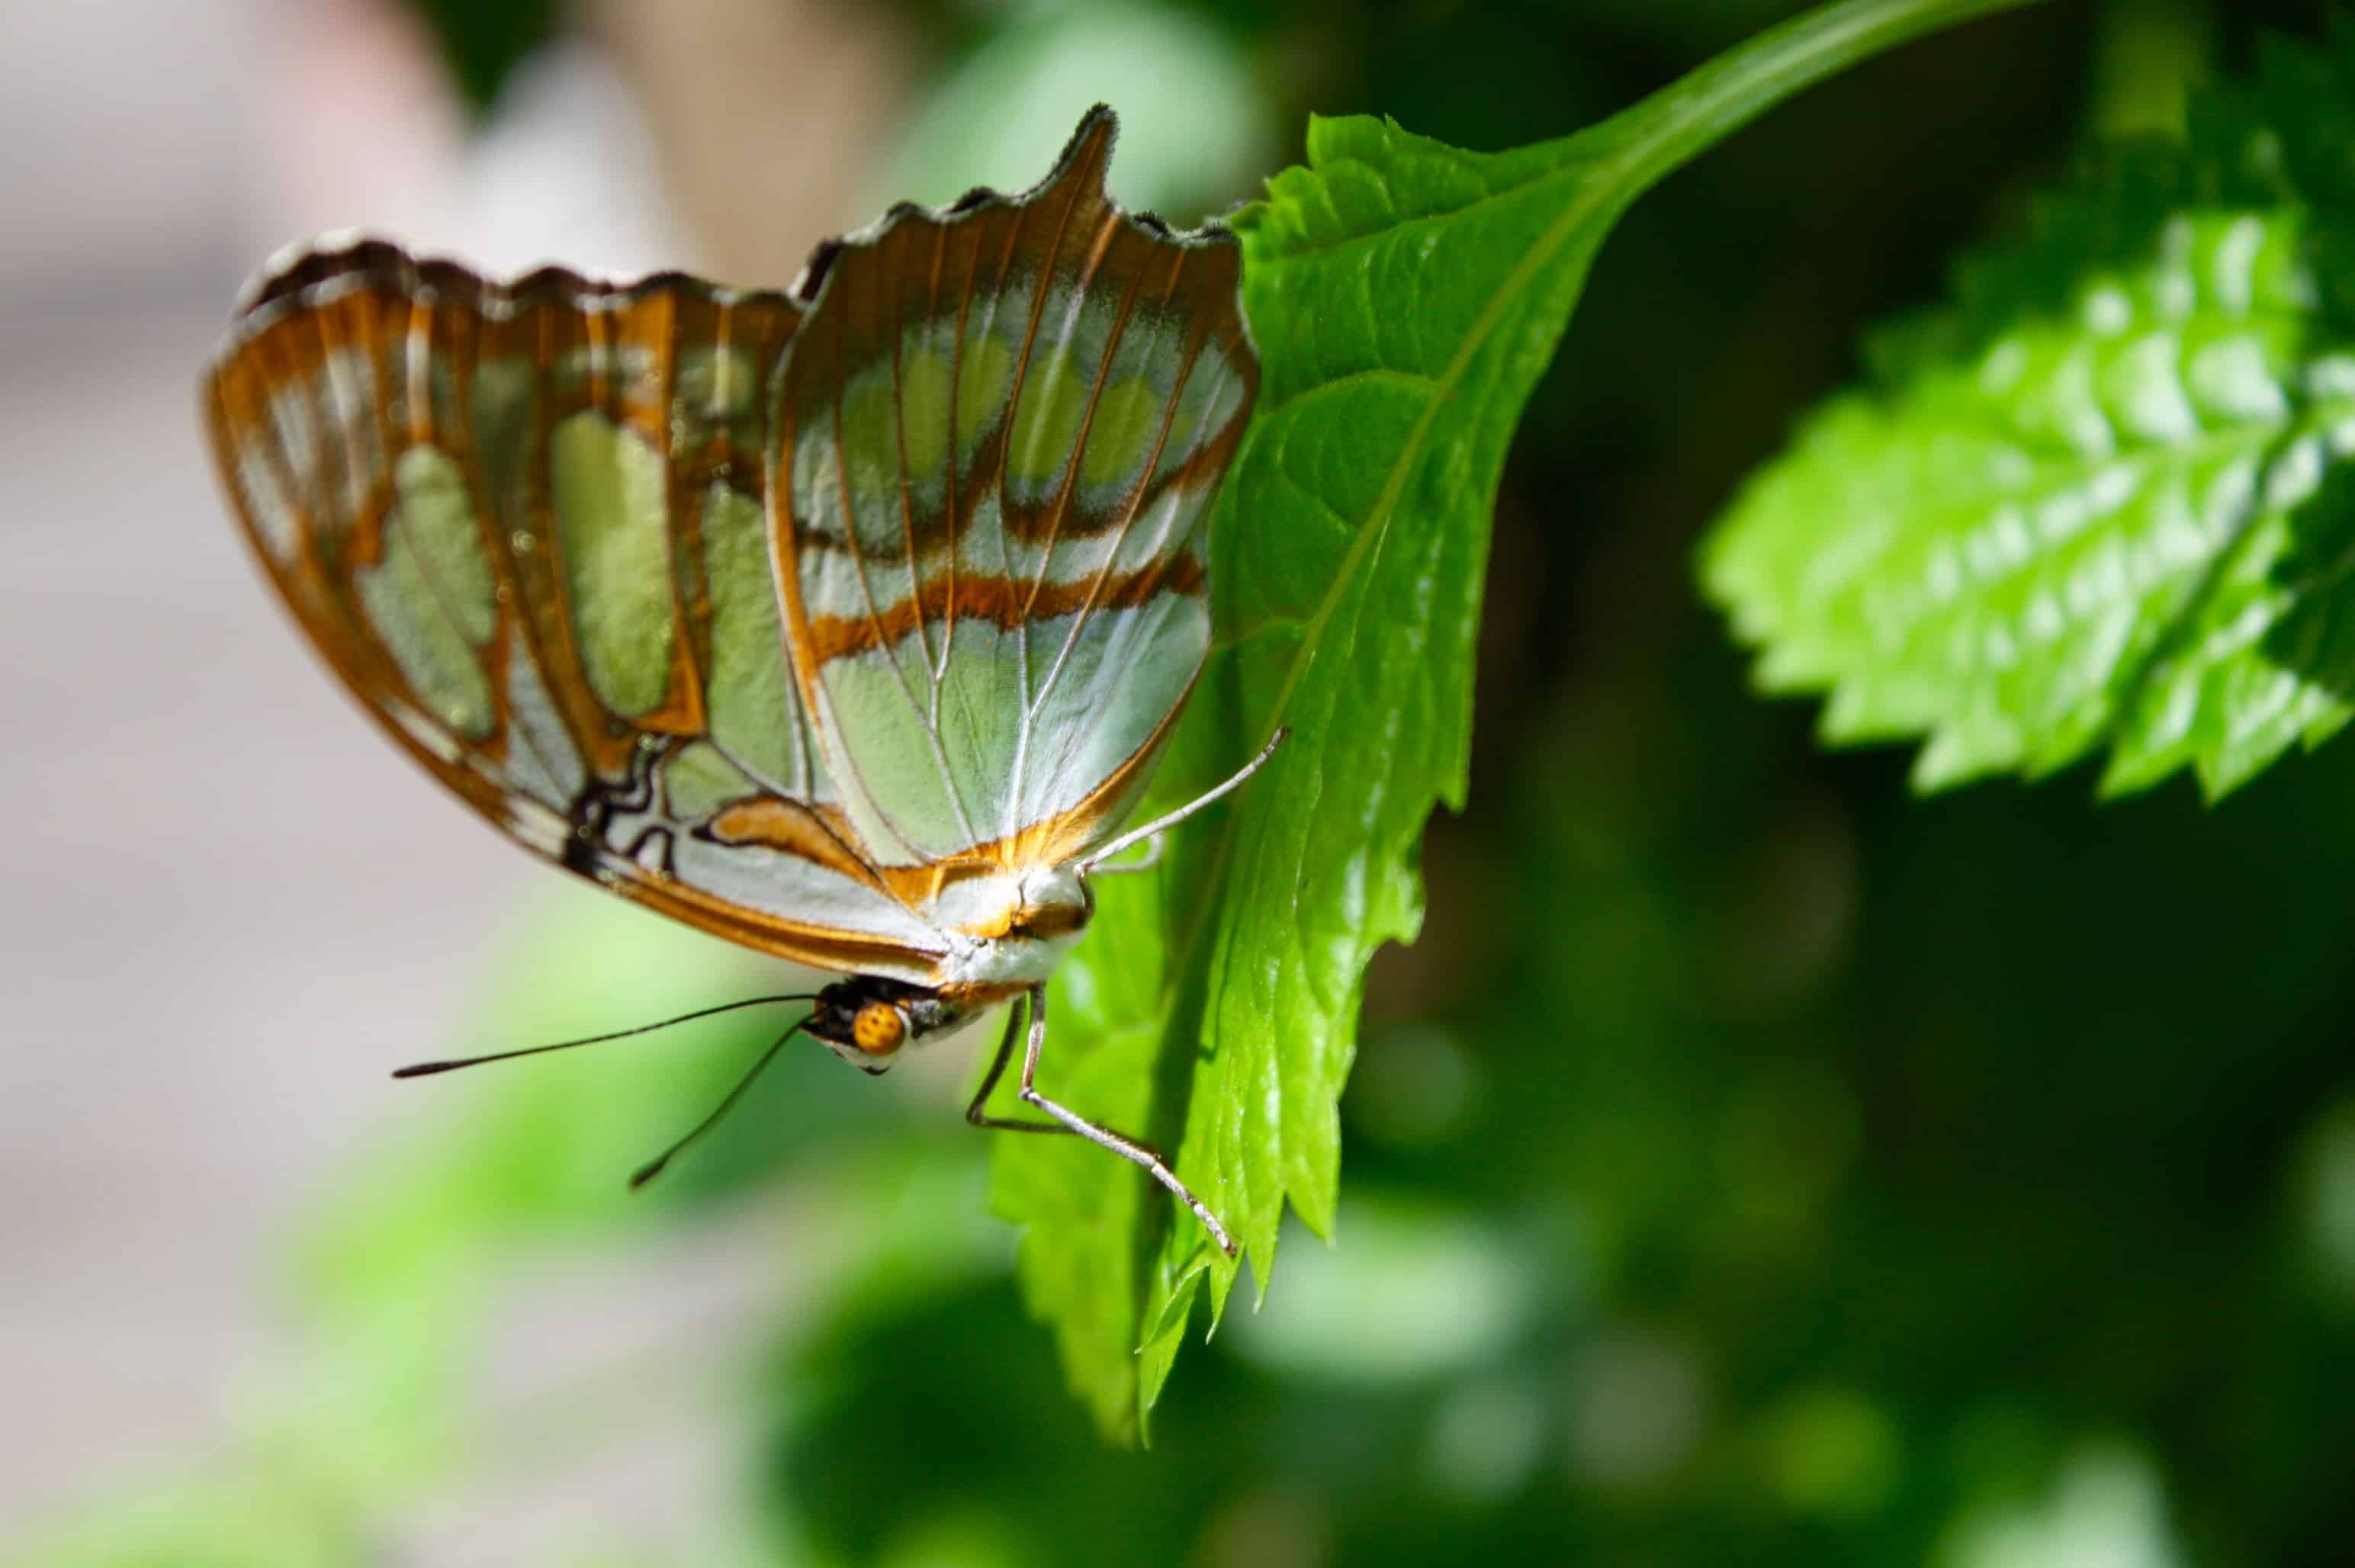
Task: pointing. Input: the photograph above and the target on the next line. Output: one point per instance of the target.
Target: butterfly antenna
(422, 1068)
(653, 1166)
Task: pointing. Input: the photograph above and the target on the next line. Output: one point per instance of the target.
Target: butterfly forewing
(998, 430)
(770, 610)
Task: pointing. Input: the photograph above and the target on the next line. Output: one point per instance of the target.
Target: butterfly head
(866, 1019)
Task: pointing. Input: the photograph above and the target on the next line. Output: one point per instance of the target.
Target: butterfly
(846, 621)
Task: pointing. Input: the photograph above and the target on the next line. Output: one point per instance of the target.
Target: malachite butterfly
(847, 622)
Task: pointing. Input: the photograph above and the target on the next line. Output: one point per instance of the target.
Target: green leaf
(2101, 501)
(1404, 296)
(484, 41)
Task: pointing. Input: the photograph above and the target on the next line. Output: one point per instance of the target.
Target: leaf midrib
(1539, 256)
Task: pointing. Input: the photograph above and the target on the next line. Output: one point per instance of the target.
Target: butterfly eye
(879, 1029)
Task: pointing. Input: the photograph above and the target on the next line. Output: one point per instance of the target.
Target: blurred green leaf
(2109, 1504)
(1420, 1295)
(484, 40)
(2100, 502)
(923, 1430)
(542, 1147)
(404, 1255)
(1194, 132)
(1405, 295)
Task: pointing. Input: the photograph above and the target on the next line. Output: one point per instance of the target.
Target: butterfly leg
(1070, 1121)
(981, 1118)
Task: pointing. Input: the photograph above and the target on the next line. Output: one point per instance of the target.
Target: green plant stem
(1706, 104)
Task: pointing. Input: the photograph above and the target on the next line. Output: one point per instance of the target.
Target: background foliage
(1750, 1163)
(2097, 502)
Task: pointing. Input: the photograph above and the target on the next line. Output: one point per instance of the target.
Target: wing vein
(948, 442)
(1038, 292)
(884, 646)
(515, 635)
(908, 508)
(1111, 557)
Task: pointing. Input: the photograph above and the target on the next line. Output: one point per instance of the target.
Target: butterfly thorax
(1008, 931)
(1005, 932)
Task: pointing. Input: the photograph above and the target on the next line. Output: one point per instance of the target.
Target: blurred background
(1751, 1164)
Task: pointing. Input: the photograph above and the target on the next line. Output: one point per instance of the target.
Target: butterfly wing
(525, 524)
(771, 611)
(997, 435)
